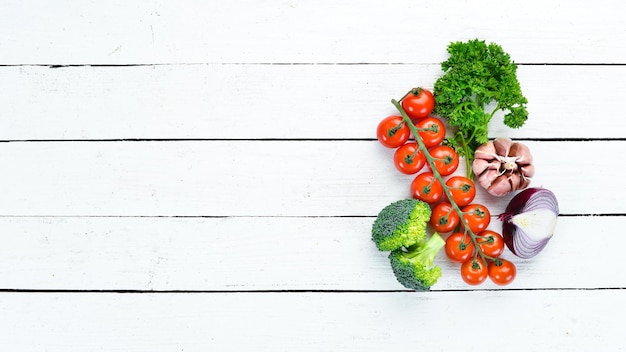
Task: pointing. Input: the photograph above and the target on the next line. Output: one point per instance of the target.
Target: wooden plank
(243, 254)
(290, 265)
(572, 320)
(277, 101)
(260, 178)
(66, 32)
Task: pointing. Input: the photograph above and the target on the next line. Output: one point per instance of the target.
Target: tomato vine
(447, 190)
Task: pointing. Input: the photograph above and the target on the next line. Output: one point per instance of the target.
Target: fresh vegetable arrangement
(441, 202)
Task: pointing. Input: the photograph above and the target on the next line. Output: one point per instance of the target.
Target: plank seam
(261, 139)
(112, 65)
(131, 291)
(259, 216)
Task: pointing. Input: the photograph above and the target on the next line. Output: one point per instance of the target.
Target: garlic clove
(522, 153)
(487, 177)
(516, 181)
(502, 145)
(500, 186)
(528, 171)
(486, 151)
(480, 165)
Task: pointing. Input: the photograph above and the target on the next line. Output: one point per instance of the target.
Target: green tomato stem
(412, 156)
(488, 240)
(395, 129)
(433, 128)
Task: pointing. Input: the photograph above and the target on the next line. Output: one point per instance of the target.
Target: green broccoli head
(414, 267)
(401, 224)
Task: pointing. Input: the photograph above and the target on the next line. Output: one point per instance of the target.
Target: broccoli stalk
(414, 267)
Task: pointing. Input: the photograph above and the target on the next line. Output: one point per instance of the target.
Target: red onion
(529, 221)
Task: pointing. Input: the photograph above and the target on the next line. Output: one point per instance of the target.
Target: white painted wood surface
(261, 178)
(283, 31)
(193, 176)
(218, 101)
(554, 320)
(263, 253)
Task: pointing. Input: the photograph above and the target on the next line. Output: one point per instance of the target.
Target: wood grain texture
(203, 176)
(282, 31)
(260, 178)
(309, 322)
(217, 101)
(268, 253)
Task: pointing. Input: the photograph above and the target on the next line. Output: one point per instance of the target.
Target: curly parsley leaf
(477, 75)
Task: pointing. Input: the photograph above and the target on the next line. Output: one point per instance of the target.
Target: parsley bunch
(476, 77)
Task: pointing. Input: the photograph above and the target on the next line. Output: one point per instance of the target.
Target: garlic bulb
(503, 166)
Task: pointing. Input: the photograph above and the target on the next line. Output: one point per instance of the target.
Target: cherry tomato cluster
(460, 248)
(450, 196)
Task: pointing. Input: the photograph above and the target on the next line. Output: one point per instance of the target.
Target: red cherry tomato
(431, 130)
(459, 247)
(462, 190)
(477, 217)
(408, 159)
(491, 243)
(446, 159)
(426, 188)
(418, 103)
(474, 272)
(502, 271)
(443, 218)
(392, 132)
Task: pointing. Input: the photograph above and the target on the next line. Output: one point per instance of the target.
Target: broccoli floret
(401, 224)
(414, 267)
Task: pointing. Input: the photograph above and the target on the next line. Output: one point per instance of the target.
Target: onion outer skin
(527, 200)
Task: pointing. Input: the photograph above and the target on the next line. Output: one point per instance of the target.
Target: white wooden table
(203, 176)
